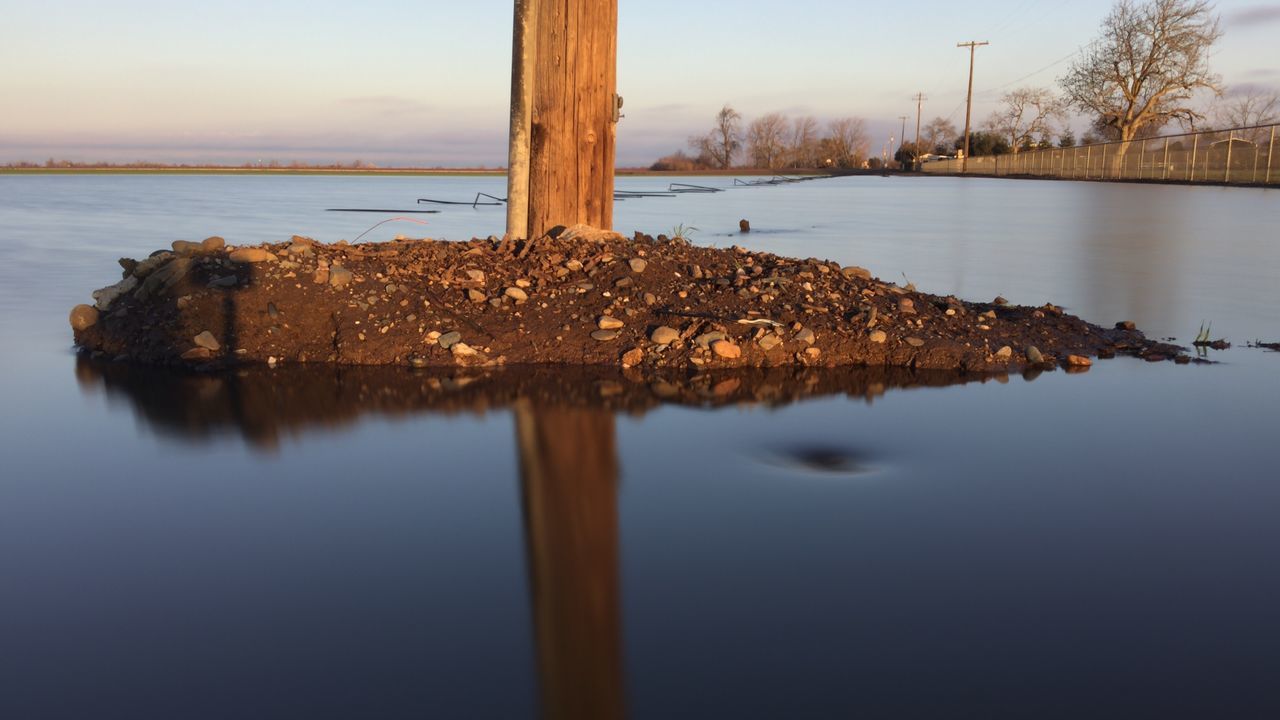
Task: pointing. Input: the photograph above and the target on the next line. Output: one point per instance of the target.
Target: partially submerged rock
(585, 298)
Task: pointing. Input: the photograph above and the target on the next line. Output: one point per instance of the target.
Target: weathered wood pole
(572, 113)
(522, 54)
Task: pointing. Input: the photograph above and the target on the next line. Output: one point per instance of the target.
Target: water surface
(321, 542)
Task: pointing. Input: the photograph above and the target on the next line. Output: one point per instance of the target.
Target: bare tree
(1153, 56)
(1247, 107)
(804, 142)
(724, 141)
(848, 141)
(767, 141)
(1026, 117)
(937, 136)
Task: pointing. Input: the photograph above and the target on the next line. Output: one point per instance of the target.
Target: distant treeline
(356, 165)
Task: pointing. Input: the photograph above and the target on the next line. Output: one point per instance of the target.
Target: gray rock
(604, 335)
(1033, 355)
(806, 336)
(211, 244)
(705, 339)
(107, 295)
(1004, 353)
(915, 342)
(449, 339)
(340, 277)
(664, 335)
(638, 264)
(769, 342)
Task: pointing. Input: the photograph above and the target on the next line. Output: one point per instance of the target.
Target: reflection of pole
(569, 476)
(968, 106)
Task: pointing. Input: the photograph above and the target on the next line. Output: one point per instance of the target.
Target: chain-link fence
(1239, 156)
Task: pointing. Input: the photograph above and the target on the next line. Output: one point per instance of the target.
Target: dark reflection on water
(565, 440)
(262, 404)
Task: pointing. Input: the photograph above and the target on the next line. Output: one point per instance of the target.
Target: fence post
(1164, 175)
(1271, 148)
(1104, 163)
(1191, 168)
(1142, 157)
(1226, 173)
(1088, 160)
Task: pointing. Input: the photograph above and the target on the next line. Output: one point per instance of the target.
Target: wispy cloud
(1256, 15)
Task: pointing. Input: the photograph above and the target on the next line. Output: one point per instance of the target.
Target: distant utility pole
(973, 45)
(902, 136)
(919, 98)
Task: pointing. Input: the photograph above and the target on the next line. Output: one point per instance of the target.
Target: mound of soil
(584, 297)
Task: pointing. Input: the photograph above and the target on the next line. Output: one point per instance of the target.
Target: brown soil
(668, 304)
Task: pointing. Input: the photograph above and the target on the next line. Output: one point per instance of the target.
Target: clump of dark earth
(584, 297)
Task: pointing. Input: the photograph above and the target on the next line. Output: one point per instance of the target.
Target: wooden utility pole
(973, 45)
(919, 98)
(564, 112)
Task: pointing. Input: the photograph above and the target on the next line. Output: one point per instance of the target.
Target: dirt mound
(583, 298)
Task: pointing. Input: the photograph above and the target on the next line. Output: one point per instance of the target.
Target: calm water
(316, 543)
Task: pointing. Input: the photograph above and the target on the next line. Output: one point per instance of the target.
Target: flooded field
(384, 543)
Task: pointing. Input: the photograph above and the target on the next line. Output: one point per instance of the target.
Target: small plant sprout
(683, 232)
(1202, 338)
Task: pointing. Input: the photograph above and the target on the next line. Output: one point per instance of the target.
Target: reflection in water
(264, 405)
(569, 470)
(568, 460)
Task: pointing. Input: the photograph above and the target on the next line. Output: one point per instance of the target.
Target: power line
(1055, 63)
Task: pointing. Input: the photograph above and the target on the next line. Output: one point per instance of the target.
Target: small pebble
(726, 349)
(664, 335)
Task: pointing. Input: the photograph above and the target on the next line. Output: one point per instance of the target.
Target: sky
(427, 83)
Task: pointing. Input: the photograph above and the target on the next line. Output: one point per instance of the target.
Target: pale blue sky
(397, 82)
